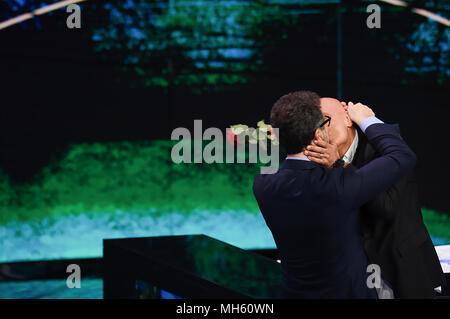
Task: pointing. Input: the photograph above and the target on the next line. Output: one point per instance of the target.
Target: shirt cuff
(369, 121)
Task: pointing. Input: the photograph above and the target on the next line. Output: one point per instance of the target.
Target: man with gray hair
(313, 211)
(391, 224)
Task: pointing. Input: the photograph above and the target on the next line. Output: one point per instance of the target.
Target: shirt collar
(298, 158)
(350, 154)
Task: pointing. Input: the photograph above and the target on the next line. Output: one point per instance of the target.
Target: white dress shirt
(350, 154)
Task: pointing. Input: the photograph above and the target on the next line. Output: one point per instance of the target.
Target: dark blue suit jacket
(312, 213)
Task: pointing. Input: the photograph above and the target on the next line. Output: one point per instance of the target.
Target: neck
(348, 143)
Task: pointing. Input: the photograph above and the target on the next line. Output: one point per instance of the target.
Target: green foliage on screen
(140, 177)
(105, 177)
(438, 224)
(213, 45)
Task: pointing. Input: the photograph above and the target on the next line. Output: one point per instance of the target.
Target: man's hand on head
(322, 152)
(359, 112)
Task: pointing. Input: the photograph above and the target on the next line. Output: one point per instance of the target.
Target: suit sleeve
(384, 204)
(396, 160)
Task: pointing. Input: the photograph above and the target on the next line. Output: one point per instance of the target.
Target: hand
(359, 112)
(322, 153)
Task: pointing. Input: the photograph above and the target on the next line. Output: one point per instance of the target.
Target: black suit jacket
(395, 236)
(313, 214)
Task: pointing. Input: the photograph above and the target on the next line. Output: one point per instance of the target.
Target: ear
(317, 134)
(348, 121)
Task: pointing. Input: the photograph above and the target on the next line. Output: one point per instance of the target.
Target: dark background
(58, 87)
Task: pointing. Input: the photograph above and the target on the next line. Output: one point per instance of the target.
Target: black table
(191, 266)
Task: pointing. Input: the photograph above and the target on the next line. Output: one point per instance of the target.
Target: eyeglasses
(328, 120)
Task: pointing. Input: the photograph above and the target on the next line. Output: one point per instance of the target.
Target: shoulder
(346, 183)
(333, 183)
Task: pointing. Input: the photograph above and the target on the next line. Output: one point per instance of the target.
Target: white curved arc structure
(396, 2)
(61, 4)
(432, 16)
(37, 12)
(422, 12)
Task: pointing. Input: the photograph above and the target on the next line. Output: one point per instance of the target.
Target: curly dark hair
(297, 116)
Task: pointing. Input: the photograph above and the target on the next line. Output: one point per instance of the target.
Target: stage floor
(444, 257)
(92, 288)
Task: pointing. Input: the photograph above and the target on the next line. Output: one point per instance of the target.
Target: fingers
(318, 155)
(315, 148)
(321, 143)
(358, 112)
(317, 160)
(319, 149)
(320, 161)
